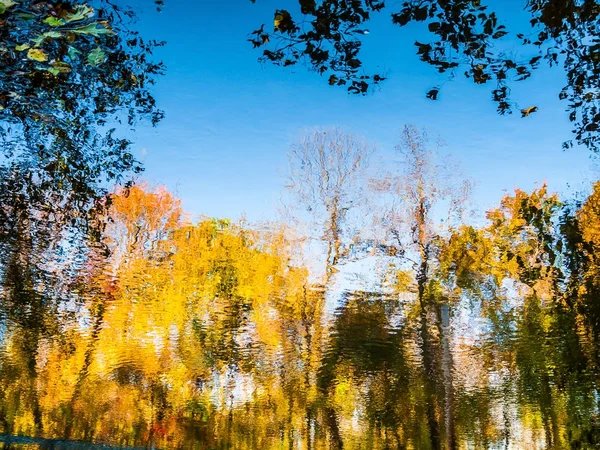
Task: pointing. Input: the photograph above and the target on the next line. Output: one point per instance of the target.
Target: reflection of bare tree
(325, 170)
(421, 189)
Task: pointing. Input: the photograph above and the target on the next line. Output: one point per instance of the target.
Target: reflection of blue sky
(230, 121)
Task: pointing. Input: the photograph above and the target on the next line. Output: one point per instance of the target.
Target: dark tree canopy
(72, 77)
(327, 35)
(70, 74)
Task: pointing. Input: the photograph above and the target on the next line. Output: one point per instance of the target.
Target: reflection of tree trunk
(30, 344)
(29, 314)
(447, 371)
(545, 398)
(158, 400)
(333, 240)
(229, 428)
(334, 429)
(429, 374)
(290, 425)
(427, 349)
(30, 350)
(307, 387)
(83, 372)
(5, 427)
(395, 426)
(399, 443)
(549, 415)
(506, 405)
(311, 322)
(335, 233)
(428, 356)
(333, 247)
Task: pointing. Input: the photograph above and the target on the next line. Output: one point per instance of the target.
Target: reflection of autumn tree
(365, 365)
(36, 270)
(183, 315)
(415, 194)
(27, 313)
(207, 336)
(533, 345)
(67, 71)
(580, 239)
(522, 233)
(137, 235)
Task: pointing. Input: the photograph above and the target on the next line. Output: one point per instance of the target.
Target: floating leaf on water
(54, 22)
(93, 29)
(38, 41)
(73, 52)
(82, 12)
(22, 47)
(5, 4)
(52, 35)
(24, 16)
(37, 54)
(96, 57)
(61, 67)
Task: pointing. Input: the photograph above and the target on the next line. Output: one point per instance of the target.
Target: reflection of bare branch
(325, 168)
